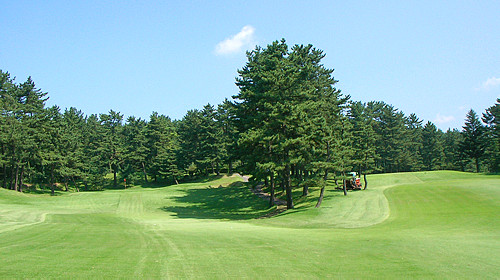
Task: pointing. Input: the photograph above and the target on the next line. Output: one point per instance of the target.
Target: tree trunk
(366, 182)
(52, 180)
(21, 179)
(230, 168)
(305, 190)
(74, 183)
(344, 184)
(16, 178)
(272, 197)
(115, 180)
(288, 188)
(321, 194)
(11, 179)
(66, 184)
(477, 165)
(144, 171)
(217, 168)
(4, 183)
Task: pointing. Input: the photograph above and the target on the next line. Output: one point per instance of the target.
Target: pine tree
(137, 150)
(280, 91)
(227, 134)
(432, 150)
(9, 127)
(112, 141)
(162, 140)
(413, 143)
(492, 120)
(364, 139)
(71, 146)
(189, 131)
(473, 143)
(51, 146)
(95, 153)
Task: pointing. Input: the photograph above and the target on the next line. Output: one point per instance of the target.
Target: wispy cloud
(489, 84)
(440, 119)
(236, 43)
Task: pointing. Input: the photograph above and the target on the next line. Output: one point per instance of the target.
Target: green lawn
(438, 225)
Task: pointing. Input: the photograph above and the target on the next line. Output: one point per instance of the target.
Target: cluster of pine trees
(295, 128)
(45, 145)
(288, 127)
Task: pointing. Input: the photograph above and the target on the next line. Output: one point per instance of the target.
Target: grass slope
(441, 225)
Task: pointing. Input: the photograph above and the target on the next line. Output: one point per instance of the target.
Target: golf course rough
(437, 225)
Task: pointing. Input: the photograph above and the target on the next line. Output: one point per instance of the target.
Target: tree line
(288, 126)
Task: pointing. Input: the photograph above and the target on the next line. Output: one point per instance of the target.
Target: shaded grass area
(439, 225)
(232, 202)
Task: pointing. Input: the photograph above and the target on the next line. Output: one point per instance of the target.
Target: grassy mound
(409, 225)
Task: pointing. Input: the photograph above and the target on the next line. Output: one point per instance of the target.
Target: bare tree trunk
(344, 184)
(66, 184)
(21, 179)
(115, 179)
(74, 183)
(52, 180)
(16, 178)
(230, 168)
(321, 195)
(272, 197)
(305, 190)
(366, 182)
(288, 188)
(4, 183)
(144, 171)
(322, 192)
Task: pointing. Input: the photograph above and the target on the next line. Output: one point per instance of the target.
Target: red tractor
(354, 183)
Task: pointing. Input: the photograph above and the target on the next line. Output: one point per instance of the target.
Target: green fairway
(438, 225)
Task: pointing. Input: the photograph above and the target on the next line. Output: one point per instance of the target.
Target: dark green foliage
(137, 150)
(162, 146)
(412, 146)
(289, 127)
(432, 150)
(283, 116)
(453, 158)
(112, 148)
(492, 120)
(473, 143)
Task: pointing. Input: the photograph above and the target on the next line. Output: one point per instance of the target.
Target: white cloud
(440, 119)
(236, 43)
(489, 84)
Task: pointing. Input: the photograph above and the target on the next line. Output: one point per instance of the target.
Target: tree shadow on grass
(161, 183)
(234, 202)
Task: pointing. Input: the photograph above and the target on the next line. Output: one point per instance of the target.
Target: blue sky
(437, 59)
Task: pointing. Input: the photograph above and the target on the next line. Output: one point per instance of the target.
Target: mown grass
(438, 225)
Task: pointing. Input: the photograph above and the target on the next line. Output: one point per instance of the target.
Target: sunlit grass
(411, 225)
